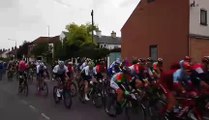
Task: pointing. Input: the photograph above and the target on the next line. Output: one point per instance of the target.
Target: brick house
(49, 40)
(170, 29)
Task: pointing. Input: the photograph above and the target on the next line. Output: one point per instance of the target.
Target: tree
(40, 49)
(79, 35)
(23, 50)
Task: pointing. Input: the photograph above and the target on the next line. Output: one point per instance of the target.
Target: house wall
(195, 26)
(199, 48)
(164, 23)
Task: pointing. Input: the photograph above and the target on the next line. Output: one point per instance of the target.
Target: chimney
(113, 34)
(99, 33)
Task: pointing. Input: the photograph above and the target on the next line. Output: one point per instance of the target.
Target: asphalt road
(34, 107)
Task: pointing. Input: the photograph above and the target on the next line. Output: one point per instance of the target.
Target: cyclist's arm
(55, 69)
(113, 83)
(177, 84)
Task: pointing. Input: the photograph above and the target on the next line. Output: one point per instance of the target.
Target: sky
(22, 20)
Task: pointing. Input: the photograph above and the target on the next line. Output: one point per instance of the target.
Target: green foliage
(40, 49)
(58, 50)
(93, 52)
(23, 50)
(79, 35)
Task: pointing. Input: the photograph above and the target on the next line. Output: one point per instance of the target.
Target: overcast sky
(28, 19)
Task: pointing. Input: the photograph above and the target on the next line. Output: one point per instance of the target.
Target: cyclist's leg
(86, 88)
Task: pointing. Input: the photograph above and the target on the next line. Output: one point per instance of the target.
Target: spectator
(1, 69)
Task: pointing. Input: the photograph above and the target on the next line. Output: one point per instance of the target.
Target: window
(203, 17)
(149, 1)
(153, 52)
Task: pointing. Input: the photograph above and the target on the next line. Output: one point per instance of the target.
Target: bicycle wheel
(97, 98)
(81, 93)
(111, 105)
(45, 89)
(25, 88)
(67, 99)
(30, 79)
(73, 89)
(135, 111)
(155, 109)
(56, 99)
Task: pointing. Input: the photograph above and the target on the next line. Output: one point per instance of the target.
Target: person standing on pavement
(1, 69)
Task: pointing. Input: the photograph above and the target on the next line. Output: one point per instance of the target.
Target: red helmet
(187, 59)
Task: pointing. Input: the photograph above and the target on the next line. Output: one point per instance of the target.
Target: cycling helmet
(149, 59)
(160, 59)
(61, 64)
(118, 61)
(205, 59)
(91, 64)
(141, 60)
(187, 59)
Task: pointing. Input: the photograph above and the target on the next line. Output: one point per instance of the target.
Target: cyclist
(137, 71)
(22, 69)
(71, 70)
(60, 71)
(148, 71)
(158, 68)
(87, 74)
(166, 84)
(118, 82)
(41, 69)
(99, 69)
(200, 77)
(114, 67)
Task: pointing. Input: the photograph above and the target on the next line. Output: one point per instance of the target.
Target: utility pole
(92, 18)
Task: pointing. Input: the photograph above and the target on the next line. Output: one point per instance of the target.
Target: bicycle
(42, 87)
(62, 91)
(30, 76)
(132, 105)
(23, 85)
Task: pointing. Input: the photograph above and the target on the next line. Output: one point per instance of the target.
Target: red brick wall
(199, 48)
(164, 23)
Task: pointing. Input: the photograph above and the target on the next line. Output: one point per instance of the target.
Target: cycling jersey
(22, 66)
(60, 71)
(40, 68)
(118, 79)
(114, 68)
(86, 70)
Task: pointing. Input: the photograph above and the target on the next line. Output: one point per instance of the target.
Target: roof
(46, 40)
(107, 39)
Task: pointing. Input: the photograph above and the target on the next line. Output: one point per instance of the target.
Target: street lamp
(15, 45)
(13, 41)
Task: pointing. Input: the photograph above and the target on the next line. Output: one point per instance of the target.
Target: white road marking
(45, 116)
(32, 107)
